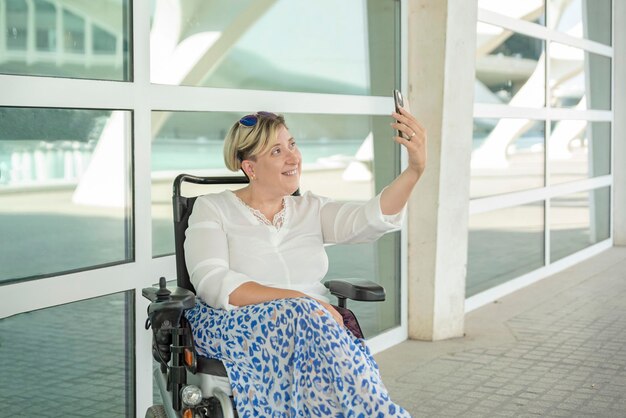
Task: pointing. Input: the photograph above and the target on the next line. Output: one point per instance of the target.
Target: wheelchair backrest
(182, 209)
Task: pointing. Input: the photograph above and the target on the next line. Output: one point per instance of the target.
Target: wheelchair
(192, 386)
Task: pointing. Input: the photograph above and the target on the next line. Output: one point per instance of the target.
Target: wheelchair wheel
(156, 411)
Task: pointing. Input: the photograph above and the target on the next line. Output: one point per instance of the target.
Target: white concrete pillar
(619, 125)
(442, 45)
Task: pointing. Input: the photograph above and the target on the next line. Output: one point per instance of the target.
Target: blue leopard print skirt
(290, 358)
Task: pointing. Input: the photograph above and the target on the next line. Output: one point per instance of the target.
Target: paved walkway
(556, 348)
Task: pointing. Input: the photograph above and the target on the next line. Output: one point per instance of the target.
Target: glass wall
(273, 45)
(528, 10)
(579, 79)
(579, 150)
(504, 244)
(78, 39)
(541, 154)
(70, 360)
(510, 67)
(507, 165)
(63, 172)
(582, 19)
(86, 165)
(578, 220)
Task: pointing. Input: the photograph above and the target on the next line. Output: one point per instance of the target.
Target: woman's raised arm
(395, 196)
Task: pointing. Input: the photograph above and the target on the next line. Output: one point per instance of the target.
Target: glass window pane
(338, 161)
(578, 221)
(507, 156)
(46, 26)
(510, 68)
(74, 31)
(504, 244)
(527, 10)
(579, 79)
(281, 45)
(582, 18)
(382, 266)
(15, 24)
(578, 150)
(84, 39)
(64, 190)
(71, 360)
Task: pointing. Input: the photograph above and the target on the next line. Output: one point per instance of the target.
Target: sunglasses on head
(251, 120)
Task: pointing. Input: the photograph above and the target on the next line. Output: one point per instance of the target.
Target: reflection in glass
(64, 190)
(74, 32)
(510, 67)
(63, 38)
(338, 162)
(589, 19)
(527, 10)
(507, 156)
(504, 244)
(578, 150)
(46, 26)
(275, 46)
(70, 360)
(15, 25)
(578, 221)
(579, 79)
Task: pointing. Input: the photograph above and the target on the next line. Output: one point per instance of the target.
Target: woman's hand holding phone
(410, 133)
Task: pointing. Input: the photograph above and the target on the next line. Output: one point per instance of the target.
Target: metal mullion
(584, 44)
(542, 32)
(143, 202)
(589, 115)
(484, 110)
(404, 234)
(491, 203)
(186, 98)
(66, 288)
(516, 25)
(612, 130)
(26, 91)
(546, 202)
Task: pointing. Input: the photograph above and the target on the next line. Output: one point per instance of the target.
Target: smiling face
(277, 170)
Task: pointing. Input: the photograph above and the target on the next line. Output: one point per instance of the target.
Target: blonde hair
(247, 142)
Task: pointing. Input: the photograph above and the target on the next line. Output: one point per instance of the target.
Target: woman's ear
(248, 168)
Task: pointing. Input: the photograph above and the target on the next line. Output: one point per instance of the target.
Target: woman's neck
(267, 204)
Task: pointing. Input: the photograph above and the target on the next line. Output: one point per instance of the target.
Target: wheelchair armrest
(356, 289)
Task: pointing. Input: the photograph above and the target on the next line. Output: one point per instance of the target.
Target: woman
(256, 259)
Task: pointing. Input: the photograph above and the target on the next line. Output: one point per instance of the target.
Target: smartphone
(399, 102)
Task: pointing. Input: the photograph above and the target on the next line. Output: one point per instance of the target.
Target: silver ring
(413, 134)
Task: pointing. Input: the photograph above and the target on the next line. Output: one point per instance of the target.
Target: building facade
(104, 103)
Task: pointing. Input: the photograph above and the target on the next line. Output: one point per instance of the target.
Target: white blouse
(226, 245)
